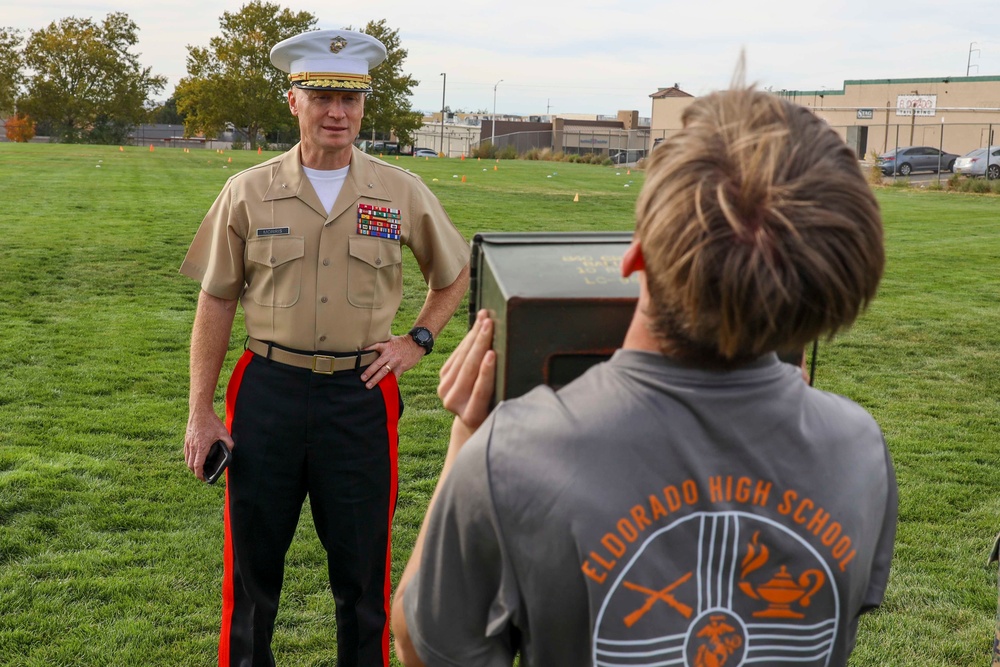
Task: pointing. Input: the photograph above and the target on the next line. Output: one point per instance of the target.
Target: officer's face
(329, 121)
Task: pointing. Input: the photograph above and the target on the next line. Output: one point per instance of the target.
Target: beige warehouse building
(957, 114)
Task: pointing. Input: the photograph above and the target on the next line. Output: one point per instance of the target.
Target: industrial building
(957, 114)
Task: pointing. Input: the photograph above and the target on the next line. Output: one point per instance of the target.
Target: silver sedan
(980, 162)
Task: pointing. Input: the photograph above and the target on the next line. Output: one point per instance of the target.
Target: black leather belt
(327, 364)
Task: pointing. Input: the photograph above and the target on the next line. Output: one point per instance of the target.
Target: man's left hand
(397, 355)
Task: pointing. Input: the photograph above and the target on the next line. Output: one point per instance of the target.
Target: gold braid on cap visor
(332, 80)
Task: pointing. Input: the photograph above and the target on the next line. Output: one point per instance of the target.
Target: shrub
(484, 150)
(20, 128)
(979, 186)
(874, 172)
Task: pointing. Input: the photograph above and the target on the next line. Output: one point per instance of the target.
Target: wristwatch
(423, 337)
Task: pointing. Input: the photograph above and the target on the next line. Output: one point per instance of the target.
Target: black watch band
(423, 337)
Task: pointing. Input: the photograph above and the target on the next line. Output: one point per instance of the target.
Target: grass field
(110, 550)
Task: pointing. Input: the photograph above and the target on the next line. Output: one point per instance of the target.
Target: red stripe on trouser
(391, 396)
(232, 390)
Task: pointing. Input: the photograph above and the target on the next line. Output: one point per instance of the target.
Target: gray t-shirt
(652, 514)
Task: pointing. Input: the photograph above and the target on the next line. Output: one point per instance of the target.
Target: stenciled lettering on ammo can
(720, 589)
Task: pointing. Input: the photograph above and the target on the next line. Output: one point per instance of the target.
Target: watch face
(423, 338)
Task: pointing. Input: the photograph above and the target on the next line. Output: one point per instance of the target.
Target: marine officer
(310, 244)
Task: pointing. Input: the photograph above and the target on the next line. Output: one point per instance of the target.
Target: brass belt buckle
(330, 360)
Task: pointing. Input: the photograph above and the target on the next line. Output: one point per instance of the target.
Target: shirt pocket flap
(375, 252)
(276, 251)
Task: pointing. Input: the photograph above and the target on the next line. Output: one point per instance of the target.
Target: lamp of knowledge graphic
(720, 589)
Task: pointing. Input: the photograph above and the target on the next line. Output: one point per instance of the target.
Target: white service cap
(329, 59)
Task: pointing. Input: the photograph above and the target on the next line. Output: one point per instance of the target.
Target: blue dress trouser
(301, 434)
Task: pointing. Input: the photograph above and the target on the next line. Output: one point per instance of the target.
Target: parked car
(978, 163)
(424, 152)
(909, 159)
(628, 157)
(378, 146)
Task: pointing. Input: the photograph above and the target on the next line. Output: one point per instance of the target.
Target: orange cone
(229, 160)
(628, 173)
(258, 150)
(576, 197)
(463, 157)
(494, 167)
(151, 148)
(121, 150)
(463, 178)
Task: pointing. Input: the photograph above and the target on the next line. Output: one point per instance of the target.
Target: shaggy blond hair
(758, 230)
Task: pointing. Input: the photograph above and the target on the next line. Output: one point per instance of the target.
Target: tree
(387, 109)
(87, 85)
(232, 81)
(20, 128)
(166, 113)
(11, 77)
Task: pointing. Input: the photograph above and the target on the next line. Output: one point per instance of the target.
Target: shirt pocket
(274, 275)
(374, 271)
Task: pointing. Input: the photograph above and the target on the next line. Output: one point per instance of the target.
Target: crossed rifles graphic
(652, 597)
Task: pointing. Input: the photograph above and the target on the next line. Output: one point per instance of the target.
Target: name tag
(272, 231)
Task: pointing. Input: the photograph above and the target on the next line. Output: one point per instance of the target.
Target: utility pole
(968, 63)
(444, 81)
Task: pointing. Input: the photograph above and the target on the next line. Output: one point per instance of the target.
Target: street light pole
(493, 133)
(444, 82)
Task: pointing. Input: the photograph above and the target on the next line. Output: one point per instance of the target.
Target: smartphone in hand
(216, 462)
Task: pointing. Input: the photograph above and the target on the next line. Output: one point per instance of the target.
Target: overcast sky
(599, 57)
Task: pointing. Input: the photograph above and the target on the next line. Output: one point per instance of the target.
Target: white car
(978, 163)
(424, 152)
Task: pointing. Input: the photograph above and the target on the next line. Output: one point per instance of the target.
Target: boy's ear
(633, 260)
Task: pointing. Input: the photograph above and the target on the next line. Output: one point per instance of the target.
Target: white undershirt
(327, 183)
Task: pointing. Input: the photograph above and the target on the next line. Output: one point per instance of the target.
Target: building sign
(866, 114)
(920, 105)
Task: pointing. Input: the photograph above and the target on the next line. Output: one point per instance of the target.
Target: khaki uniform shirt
(316, 282)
